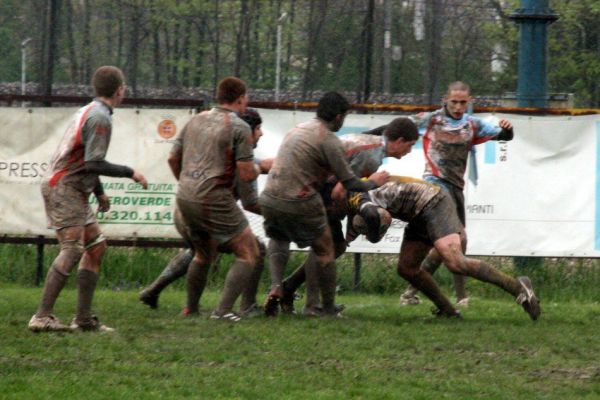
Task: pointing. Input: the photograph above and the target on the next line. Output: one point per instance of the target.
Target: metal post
(39, 272)
(533, 18)
(24, 67)
(357, 268)
(387, 46)
(280, 22)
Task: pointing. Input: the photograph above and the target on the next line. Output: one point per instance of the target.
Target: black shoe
(287, 302)
(271, 305)
(452, 313)
(148, 298)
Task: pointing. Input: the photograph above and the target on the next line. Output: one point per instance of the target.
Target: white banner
(535, 195)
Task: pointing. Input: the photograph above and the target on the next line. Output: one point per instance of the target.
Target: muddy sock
(279, 253)
(423, 281)
(295, 280)
(313, 281)
(486, 273)
(86, 285)
(55, 281)
(236, 281)
(432, 262)
(196, 282)
(249, 294)
(459, 286)
(177, 267)
(328, 286)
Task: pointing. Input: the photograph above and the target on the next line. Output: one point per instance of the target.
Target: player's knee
(96, 246)
(325, 261)
(249, 252)
(405, 271)
(71, 252)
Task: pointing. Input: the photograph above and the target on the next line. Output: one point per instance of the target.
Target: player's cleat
(527, 298)
(287, 302)
(90, 325)
(312, 311)
(338, 308)
(46, 324)
(464, 302)
(319, 312)
(228, 317)
(409, 299)
(452, 313)
(186, 312)
(271, 305)
(252, 311)
(148, 298)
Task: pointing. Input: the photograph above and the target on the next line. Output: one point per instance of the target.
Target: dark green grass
(132, 268)
(379, 351)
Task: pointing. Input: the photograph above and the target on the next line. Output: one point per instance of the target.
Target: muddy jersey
(86, 139)
(404, 200)
(307, 156)
(365, 153)
(447, 141)
(209, 145)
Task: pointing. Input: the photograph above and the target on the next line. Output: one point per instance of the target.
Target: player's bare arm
(247, 170)
(174, 161)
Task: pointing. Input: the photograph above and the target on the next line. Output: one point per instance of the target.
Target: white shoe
(46, 324)
(92, 325)
(464, 302)
(527, 298)
(229, 317)
(409, 299)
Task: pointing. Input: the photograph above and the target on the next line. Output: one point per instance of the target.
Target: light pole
(24, 66)
(280, 22)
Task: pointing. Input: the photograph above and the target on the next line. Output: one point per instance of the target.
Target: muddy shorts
(220, 220)
(456, 194)
(302, 230)
(438, 219)
(66, 206)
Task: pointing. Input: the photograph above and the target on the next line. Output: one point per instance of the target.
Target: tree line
(367, 47)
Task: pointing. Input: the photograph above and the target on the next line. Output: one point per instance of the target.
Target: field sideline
(379, 351)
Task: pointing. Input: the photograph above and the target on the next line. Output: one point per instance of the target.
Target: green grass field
(379, 351)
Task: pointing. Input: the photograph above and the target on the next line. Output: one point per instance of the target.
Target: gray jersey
(365, 153)
(309, 154)
(404, 201)
(209, 146)
(86, 139)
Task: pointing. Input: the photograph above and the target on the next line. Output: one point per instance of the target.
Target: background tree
(182, 43)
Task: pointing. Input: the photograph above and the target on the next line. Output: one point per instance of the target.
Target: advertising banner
(536, 195)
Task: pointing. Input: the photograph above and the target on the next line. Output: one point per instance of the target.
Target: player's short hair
(331, 105)
(252, 118)
(460, 86)
(107, 80)
(401, 127)
(230, 89)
